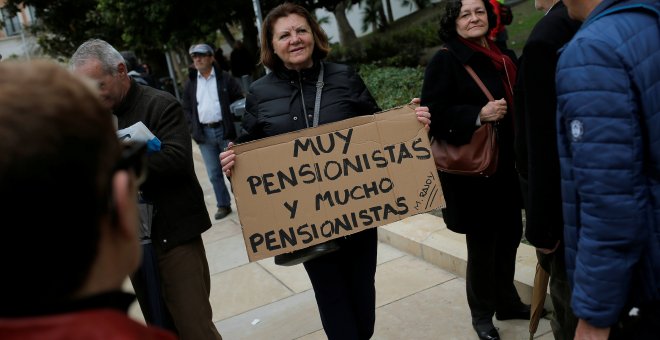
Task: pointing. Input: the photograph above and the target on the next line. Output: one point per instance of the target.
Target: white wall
(354, 15)
(14, 47)
(21, 46)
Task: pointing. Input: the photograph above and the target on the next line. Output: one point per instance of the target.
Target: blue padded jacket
(608, 126)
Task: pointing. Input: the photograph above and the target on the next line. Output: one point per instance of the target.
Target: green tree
(421, 4)
(373, 15)
(62, 25)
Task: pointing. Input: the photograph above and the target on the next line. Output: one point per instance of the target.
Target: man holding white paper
(180, 214)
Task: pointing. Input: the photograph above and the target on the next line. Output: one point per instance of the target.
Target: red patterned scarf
(504, 65)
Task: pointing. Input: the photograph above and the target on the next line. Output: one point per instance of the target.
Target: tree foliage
(380, 79)
(151, 26)
(62, 25)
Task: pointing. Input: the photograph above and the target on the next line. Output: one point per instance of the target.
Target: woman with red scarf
(486, 209)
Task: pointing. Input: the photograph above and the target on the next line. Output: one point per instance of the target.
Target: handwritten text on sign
(303, 188)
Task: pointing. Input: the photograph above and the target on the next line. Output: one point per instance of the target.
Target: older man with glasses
(180, 214)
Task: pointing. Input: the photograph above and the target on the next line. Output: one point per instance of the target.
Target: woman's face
(472, 21)
(293, 42)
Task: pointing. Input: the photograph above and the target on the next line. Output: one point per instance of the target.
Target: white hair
(99, 50)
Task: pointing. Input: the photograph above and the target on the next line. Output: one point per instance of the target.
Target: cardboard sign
(306, 187)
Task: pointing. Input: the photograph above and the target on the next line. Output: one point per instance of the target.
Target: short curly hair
(452, 10)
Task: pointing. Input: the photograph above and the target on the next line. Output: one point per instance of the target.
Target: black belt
(213, 125)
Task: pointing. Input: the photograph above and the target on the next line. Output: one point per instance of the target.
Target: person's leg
(210, 149)
(146, 284)
(363, 249)
(565, 322)
(507, 237)
(333, 297)
(480, 276)
(186, 285)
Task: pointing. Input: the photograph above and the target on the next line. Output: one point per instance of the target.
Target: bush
(392, 86)
(398, 48)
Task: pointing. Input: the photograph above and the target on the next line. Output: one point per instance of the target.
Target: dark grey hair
(100, 50)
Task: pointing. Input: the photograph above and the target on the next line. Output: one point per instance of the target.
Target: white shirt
(208, 102)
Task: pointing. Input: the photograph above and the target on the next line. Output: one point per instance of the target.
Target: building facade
(16, 41)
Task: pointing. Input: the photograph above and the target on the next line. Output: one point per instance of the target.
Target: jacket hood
(192, 74)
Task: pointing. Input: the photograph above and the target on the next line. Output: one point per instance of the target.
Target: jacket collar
(308, 73)
(117, 300)
(127, 103)
(193, 73)
(460, 51)
(558, 5)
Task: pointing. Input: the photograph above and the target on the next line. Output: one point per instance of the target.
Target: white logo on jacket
(577, 129)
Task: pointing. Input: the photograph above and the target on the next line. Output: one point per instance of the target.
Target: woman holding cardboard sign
(485, 208)
(304, 91)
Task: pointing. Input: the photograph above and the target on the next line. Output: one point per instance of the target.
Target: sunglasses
(133, 158)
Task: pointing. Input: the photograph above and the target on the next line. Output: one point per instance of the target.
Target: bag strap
(474, 75)
(317, 102)
(483, 87)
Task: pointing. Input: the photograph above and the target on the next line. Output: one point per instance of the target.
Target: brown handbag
(477, 158)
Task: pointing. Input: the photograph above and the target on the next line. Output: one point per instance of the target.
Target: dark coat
(229, 90)
(180, 212)
(455, 100)
(536, 142)
(242, 62)
(274, 104)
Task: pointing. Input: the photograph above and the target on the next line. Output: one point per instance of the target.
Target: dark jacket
(537, 160)
(608, 106)
(274, 102)
(242, 62)
(180, 213)
(455, 100)
(229, 90)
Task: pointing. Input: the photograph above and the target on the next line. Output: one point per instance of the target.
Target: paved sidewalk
(416, 298)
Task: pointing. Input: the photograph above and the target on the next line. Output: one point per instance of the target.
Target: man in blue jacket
(608, 88)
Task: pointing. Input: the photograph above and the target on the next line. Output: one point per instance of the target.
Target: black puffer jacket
(274, 104)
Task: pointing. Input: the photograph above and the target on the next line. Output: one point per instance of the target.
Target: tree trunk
(250, 34)
(347, 37)
(421, 4)
(227, 34)
(390, 16)
(381, 13)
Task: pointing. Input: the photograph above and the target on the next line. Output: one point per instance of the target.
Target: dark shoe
(487, 331)
(222, 212)
(522, 313)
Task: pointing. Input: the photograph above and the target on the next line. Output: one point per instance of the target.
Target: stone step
(426, 236)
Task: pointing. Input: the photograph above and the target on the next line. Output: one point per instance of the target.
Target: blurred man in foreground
(68, 202)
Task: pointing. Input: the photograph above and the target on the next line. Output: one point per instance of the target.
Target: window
(11, 24)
